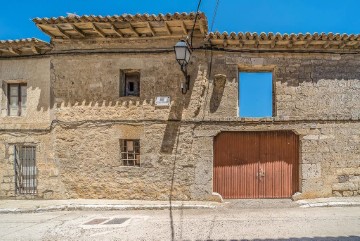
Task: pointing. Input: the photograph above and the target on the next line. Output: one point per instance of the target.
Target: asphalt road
(234, 222)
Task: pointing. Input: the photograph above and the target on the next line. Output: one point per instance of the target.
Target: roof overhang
(270, 41)
(124, 26)
(22, 47)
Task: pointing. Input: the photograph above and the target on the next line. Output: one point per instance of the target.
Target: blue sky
(255, 94)
(284, 16)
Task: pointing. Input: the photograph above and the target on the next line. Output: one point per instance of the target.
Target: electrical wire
(214, 15)
(193, 28)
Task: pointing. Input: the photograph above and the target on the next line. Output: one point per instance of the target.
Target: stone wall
(316, 96)
(35, 72)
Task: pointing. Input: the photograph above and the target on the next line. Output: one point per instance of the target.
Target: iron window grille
(17, 98)
(130, 152)
(25, 170)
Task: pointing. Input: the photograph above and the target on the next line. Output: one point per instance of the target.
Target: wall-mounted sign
(162, 101)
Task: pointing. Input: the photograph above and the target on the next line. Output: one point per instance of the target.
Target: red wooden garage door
(256, 164)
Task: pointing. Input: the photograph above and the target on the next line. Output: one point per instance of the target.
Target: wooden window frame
(19, 85)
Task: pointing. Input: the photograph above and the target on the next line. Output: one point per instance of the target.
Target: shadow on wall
(317, 70)
(173, 125)
(218, 92)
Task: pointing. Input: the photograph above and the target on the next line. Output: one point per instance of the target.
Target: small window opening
(130, 84)
(255, 94)
(130, 152)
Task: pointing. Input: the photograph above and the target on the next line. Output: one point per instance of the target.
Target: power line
(196, 16)
(214, 15)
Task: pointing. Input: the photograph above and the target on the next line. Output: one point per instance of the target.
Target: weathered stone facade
(76, 118)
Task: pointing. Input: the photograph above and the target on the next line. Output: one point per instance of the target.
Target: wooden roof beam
(343, 44)
(116, 30)
(35, 50)
(47, 32)
(62, 31)
(183, 26)
(290, 44)
(78, 30)
(151, 29)
(326, 45)
(356, 45)
(308, 43)
(13, 51)
(98, 30)
(225, 43)
(273, 43)
(168, 28)
(134, 31)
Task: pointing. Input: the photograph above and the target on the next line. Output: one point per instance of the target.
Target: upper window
(130, 83)
(130, 152)
(17, 98)
(255, 94)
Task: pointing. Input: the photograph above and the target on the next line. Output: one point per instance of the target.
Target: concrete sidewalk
(28, 206)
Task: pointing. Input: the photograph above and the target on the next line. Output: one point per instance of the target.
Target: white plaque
(162, 101)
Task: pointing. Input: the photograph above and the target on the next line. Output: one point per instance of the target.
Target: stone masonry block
(311, 171)
(345, 186)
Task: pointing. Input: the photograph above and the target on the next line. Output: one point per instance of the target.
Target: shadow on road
(340, 238)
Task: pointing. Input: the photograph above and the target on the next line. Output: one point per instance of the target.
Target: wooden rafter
(183, 26)
(308, 42)
(98, 30)
(13, 51)
(225, 43)
(62, 31)
(167, 28)
(116, 30)
(290, 44)
(78, 30)
(47, 32)
(273, 43)
(133, 30)
(35, 50)
(356, 45)
(327, 44)
(151, 29)
(343, 44)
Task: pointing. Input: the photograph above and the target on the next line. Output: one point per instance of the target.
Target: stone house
(98, 112)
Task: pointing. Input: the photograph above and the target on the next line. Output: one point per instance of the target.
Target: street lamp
(183, 54)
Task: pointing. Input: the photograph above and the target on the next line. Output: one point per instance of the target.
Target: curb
(94, 207)
(329, 204)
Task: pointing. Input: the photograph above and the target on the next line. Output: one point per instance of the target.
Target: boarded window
(130, 83)
(25, 170)
(17, 99)
(255, 94)
(130, 152)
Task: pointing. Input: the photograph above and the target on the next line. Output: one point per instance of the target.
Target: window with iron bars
(25, 170)
(130, 152)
